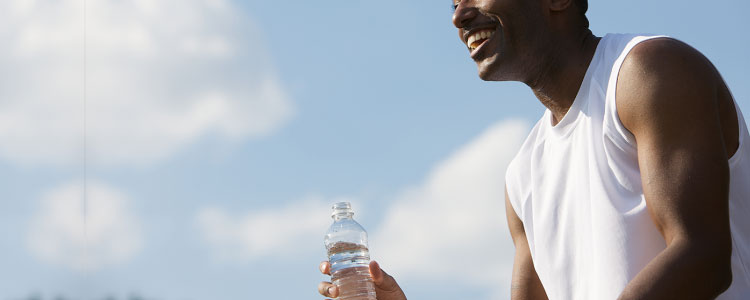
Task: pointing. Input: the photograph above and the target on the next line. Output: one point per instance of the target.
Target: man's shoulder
(660, 55)
(656, 61)
(659, 72)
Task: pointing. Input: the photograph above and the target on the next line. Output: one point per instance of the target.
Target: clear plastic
(346, 242)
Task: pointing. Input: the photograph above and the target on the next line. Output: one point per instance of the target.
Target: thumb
(381, 279)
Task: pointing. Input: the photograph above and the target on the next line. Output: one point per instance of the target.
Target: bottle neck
(342, 210)
(342, 216)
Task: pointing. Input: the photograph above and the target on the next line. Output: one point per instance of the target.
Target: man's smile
(477, 37)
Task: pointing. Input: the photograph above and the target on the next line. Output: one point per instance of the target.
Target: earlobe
(559, 5)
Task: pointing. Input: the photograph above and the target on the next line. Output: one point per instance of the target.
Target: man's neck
(560, 77)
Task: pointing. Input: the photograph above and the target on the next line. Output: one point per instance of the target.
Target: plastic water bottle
(346, 242)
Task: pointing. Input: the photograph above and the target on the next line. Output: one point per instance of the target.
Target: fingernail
(330, 290)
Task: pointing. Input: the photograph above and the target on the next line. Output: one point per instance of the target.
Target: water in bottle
(346, 242)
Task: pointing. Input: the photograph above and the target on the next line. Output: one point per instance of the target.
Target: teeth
(477, 36)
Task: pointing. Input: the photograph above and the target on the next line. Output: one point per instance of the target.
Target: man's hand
(385, 286)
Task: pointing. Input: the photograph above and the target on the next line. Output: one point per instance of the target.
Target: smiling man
(635, 183)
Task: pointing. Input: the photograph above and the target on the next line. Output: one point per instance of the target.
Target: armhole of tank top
(621, 135)
(511, 191)
(741, 141)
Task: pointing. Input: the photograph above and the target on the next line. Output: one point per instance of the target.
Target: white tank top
(577, 189)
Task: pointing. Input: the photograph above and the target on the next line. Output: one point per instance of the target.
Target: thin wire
(85, 227)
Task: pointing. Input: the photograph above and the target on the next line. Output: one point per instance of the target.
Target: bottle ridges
(350, 271)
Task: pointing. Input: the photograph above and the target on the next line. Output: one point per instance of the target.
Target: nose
(463, 14)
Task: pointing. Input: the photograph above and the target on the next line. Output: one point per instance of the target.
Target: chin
(488, 70)
(488, 73)
(484, 75)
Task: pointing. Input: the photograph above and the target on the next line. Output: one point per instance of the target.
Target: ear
(559, 5)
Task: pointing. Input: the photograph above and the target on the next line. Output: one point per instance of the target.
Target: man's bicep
(666, 96)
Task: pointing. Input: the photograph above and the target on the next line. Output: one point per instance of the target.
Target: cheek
(492, 7)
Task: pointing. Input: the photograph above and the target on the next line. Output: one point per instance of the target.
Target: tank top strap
(613, 127)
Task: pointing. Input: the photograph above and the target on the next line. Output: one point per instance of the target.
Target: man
(635, 183)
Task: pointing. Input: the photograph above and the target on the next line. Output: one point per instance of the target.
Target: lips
(478, 37)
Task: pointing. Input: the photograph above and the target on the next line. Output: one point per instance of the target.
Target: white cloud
(160, 75)
(58, 235)
(453, 226)
(294, 229)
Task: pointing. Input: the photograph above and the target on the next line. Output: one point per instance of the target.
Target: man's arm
(667, 96)
(525, 284)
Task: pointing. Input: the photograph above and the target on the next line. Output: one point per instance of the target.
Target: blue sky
(218, 134)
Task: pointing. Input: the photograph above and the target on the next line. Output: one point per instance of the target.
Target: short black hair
(583, 6)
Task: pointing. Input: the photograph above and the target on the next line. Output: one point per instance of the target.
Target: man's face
(501, 35)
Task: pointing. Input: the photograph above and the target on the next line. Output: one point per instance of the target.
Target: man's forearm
(684, 270)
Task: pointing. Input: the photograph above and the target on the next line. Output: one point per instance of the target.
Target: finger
(328, 289)
(325, 267)
(381, 279)
(376, 272)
